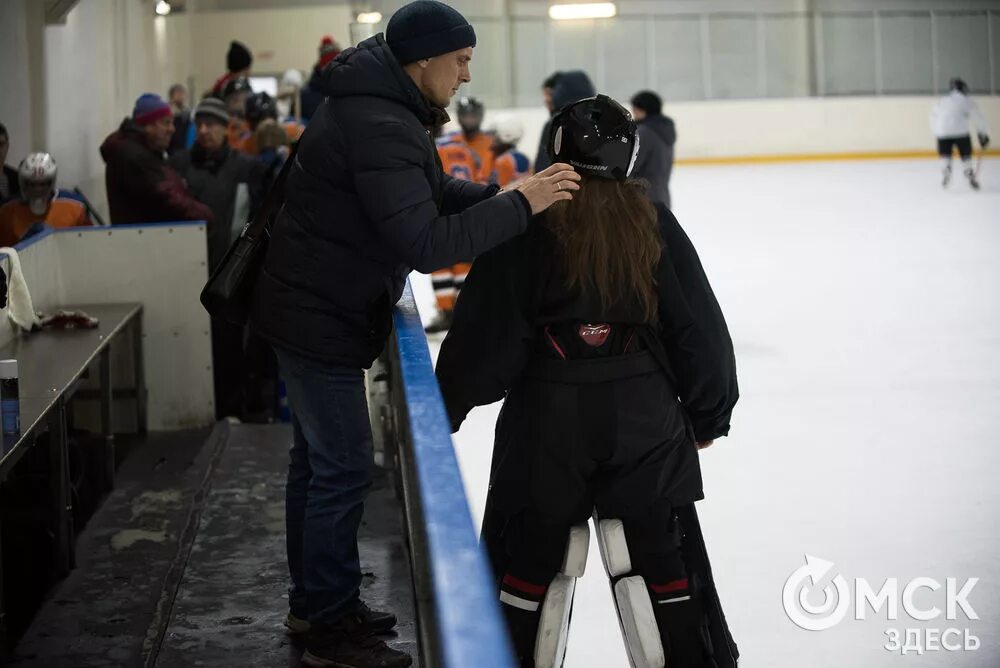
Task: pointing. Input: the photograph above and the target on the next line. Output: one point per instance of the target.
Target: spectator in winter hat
(657, 136)
(328, 50)
(142, 188)
(229, 183)
(311, 95)
(238, 62)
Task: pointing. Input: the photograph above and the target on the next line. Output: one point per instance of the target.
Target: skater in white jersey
(950, 124)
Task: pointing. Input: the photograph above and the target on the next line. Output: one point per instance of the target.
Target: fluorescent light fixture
(588, 10)
(369, 17)
(162, 8)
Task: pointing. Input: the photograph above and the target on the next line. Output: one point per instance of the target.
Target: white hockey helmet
(292, 79)
(37, 177)
(508, 130)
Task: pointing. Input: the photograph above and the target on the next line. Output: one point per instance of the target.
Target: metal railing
(458, 613)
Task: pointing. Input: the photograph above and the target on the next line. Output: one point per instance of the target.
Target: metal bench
(52, 365)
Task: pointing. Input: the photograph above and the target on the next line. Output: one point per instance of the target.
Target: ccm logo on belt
(594, 335)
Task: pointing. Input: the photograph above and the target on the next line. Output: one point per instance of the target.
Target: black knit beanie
(424, 29)
(238, 57)
(649, 102)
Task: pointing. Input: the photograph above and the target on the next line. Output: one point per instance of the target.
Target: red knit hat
(328, 50)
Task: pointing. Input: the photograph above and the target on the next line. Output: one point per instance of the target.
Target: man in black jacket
(142, 187)
(228, 183)
(657, 136)
(366, 202)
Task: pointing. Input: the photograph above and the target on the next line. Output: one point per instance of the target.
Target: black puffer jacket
(366, 202)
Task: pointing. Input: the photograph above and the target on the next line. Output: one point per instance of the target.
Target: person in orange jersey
(40, 204)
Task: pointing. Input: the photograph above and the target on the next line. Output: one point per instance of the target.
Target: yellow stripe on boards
(819, 157)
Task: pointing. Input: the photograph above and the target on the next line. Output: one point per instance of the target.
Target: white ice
(863, 302)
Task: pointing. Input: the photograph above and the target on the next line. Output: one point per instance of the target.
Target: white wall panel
(733, 46)
(963, 48)
(678, 58)
(906, 53)
(849, 54)
(575, 46)
(625, 68)
(164, 268)
(530, 60)
(787, 57)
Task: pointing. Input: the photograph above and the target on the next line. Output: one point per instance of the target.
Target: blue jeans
(329, 474)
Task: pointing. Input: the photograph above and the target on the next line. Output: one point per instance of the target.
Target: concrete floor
(184, 564)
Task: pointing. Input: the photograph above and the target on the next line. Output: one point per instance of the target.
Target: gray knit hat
(213, 107)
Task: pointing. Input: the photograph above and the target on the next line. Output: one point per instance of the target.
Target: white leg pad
(575, 561)
(553, 625)
(635, 612)
(614, 549)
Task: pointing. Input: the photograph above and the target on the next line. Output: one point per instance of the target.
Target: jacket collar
(372, 69)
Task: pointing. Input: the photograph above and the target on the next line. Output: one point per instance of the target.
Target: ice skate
(973, 182)
(442, 323)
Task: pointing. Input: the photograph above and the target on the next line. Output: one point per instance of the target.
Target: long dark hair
(608, 242)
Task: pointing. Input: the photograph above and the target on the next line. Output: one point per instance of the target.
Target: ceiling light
(162, 8)
(369, 17)
(590, 10)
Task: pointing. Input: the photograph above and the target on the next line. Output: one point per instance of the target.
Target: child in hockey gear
(460, 161)
(235, 94)
(39, 204)
(262, 107)
(470, 118)
(950, 123)
(599, 329)
(509, 164)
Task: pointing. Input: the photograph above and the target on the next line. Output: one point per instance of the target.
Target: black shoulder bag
(229, 291)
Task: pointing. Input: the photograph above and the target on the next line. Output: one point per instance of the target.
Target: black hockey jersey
(516, 295)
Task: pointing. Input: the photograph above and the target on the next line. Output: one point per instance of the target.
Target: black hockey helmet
(597, 136)
(470, 105)
(470, 114)
(959, 85)
(234, 86)
(260, 106)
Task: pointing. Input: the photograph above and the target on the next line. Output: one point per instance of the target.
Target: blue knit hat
(150, 108)
(426, 28)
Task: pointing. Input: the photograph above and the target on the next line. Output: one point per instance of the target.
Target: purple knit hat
(150, 108)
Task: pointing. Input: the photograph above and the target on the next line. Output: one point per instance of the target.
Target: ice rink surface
(864, 304)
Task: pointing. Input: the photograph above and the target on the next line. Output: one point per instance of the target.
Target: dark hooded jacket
(366, 202)
(142, 187)
(570, 87)
(214, 179)
(655, 161)
(311, 95)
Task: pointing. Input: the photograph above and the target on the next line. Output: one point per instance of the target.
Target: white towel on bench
(20, 309)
